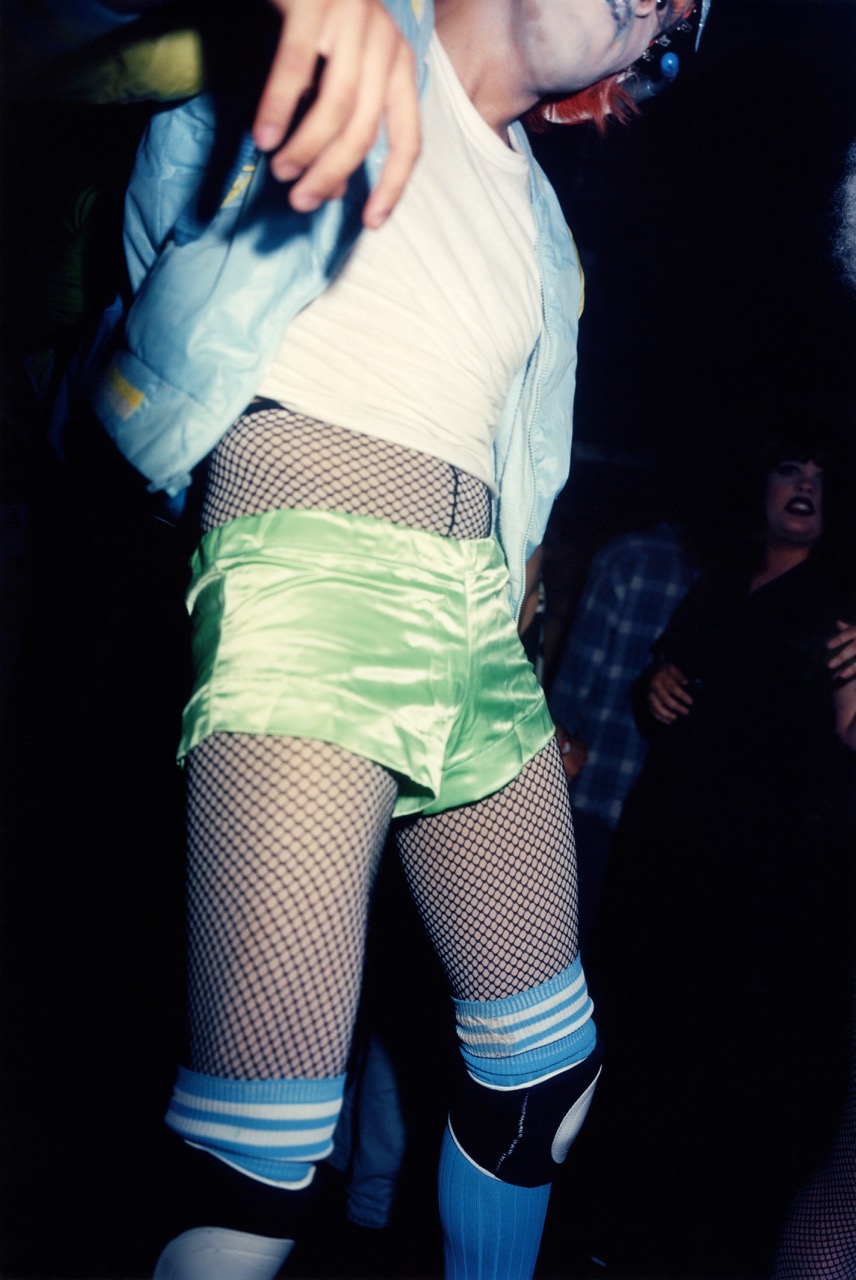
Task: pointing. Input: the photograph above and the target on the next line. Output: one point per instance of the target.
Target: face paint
(567, 45)
(622, 13)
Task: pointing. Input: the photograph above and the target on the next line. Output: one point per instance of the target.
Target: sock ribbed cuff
(528, 1037)
(273, 1130)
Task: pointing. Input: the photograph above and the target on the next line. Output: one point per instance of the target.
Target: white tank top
(418, 338)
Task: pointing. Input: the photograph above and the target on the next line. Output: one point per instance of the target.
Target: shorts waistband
(315, 533)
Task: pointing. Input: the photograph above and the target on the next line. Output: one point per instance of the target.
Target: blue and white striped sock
(275, 1131)
(492, 1229)
(528, 1037)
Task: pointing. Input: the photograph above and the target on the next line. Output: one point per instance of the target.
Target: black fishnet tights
(819, 1239)
(273, 458)
(495, 883)
(284, 835)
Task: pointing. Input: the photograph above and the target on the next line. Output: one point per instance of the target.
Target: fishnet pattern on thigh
(819, 1238)
(284, 837)
(496, 884)
(284, 834)
(272, 458)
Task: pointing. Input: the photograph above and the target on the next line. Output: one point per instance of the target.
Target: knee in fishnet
(495, 883)
(272, 458)
(284, 837)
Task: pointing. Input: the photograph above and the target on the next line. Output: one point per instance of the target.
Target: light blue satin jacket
(215, 285)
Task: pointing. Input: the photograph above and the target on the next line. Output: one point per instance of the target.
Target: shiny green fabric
(395, 644)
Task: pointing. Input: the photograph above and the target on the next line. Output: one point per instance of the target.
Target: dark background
(713, 299)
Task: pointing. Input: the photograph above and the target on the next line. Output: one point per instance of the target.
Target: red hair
(597, 103)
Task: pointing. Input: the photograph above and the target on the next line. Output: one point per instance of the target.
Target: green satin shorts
(396, 644)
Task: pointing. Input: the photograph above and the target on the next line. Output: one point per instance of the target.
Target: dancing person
(378, 435)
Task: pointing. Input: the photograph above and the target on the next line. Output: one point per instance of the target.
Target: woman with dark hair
(730, 896)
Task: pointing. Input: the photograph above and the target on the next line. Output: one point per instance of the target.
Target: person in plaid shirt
(634, 583)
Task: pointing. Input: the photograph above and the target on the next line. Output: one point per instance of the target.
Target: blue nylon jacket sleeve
(214, 294)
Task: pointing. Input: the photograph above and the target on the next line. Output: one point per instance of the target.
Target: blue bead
(669, 65)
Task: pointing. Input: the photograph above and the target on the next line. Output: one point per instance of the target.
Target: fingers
(574, 762)
(667, 694)
(319, 148)
(843, 663)
(368, 75)
(292, 71)
(573, 751)
(403, 136)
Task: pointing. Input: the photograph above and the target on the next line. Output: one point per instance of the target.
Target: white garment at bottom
(213, 1253)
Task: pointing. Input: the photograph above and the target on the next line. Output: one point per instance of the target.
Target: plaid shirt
(634, 583)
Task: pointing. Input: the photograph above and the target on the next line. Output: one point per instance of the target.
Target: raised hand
(367, 76)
